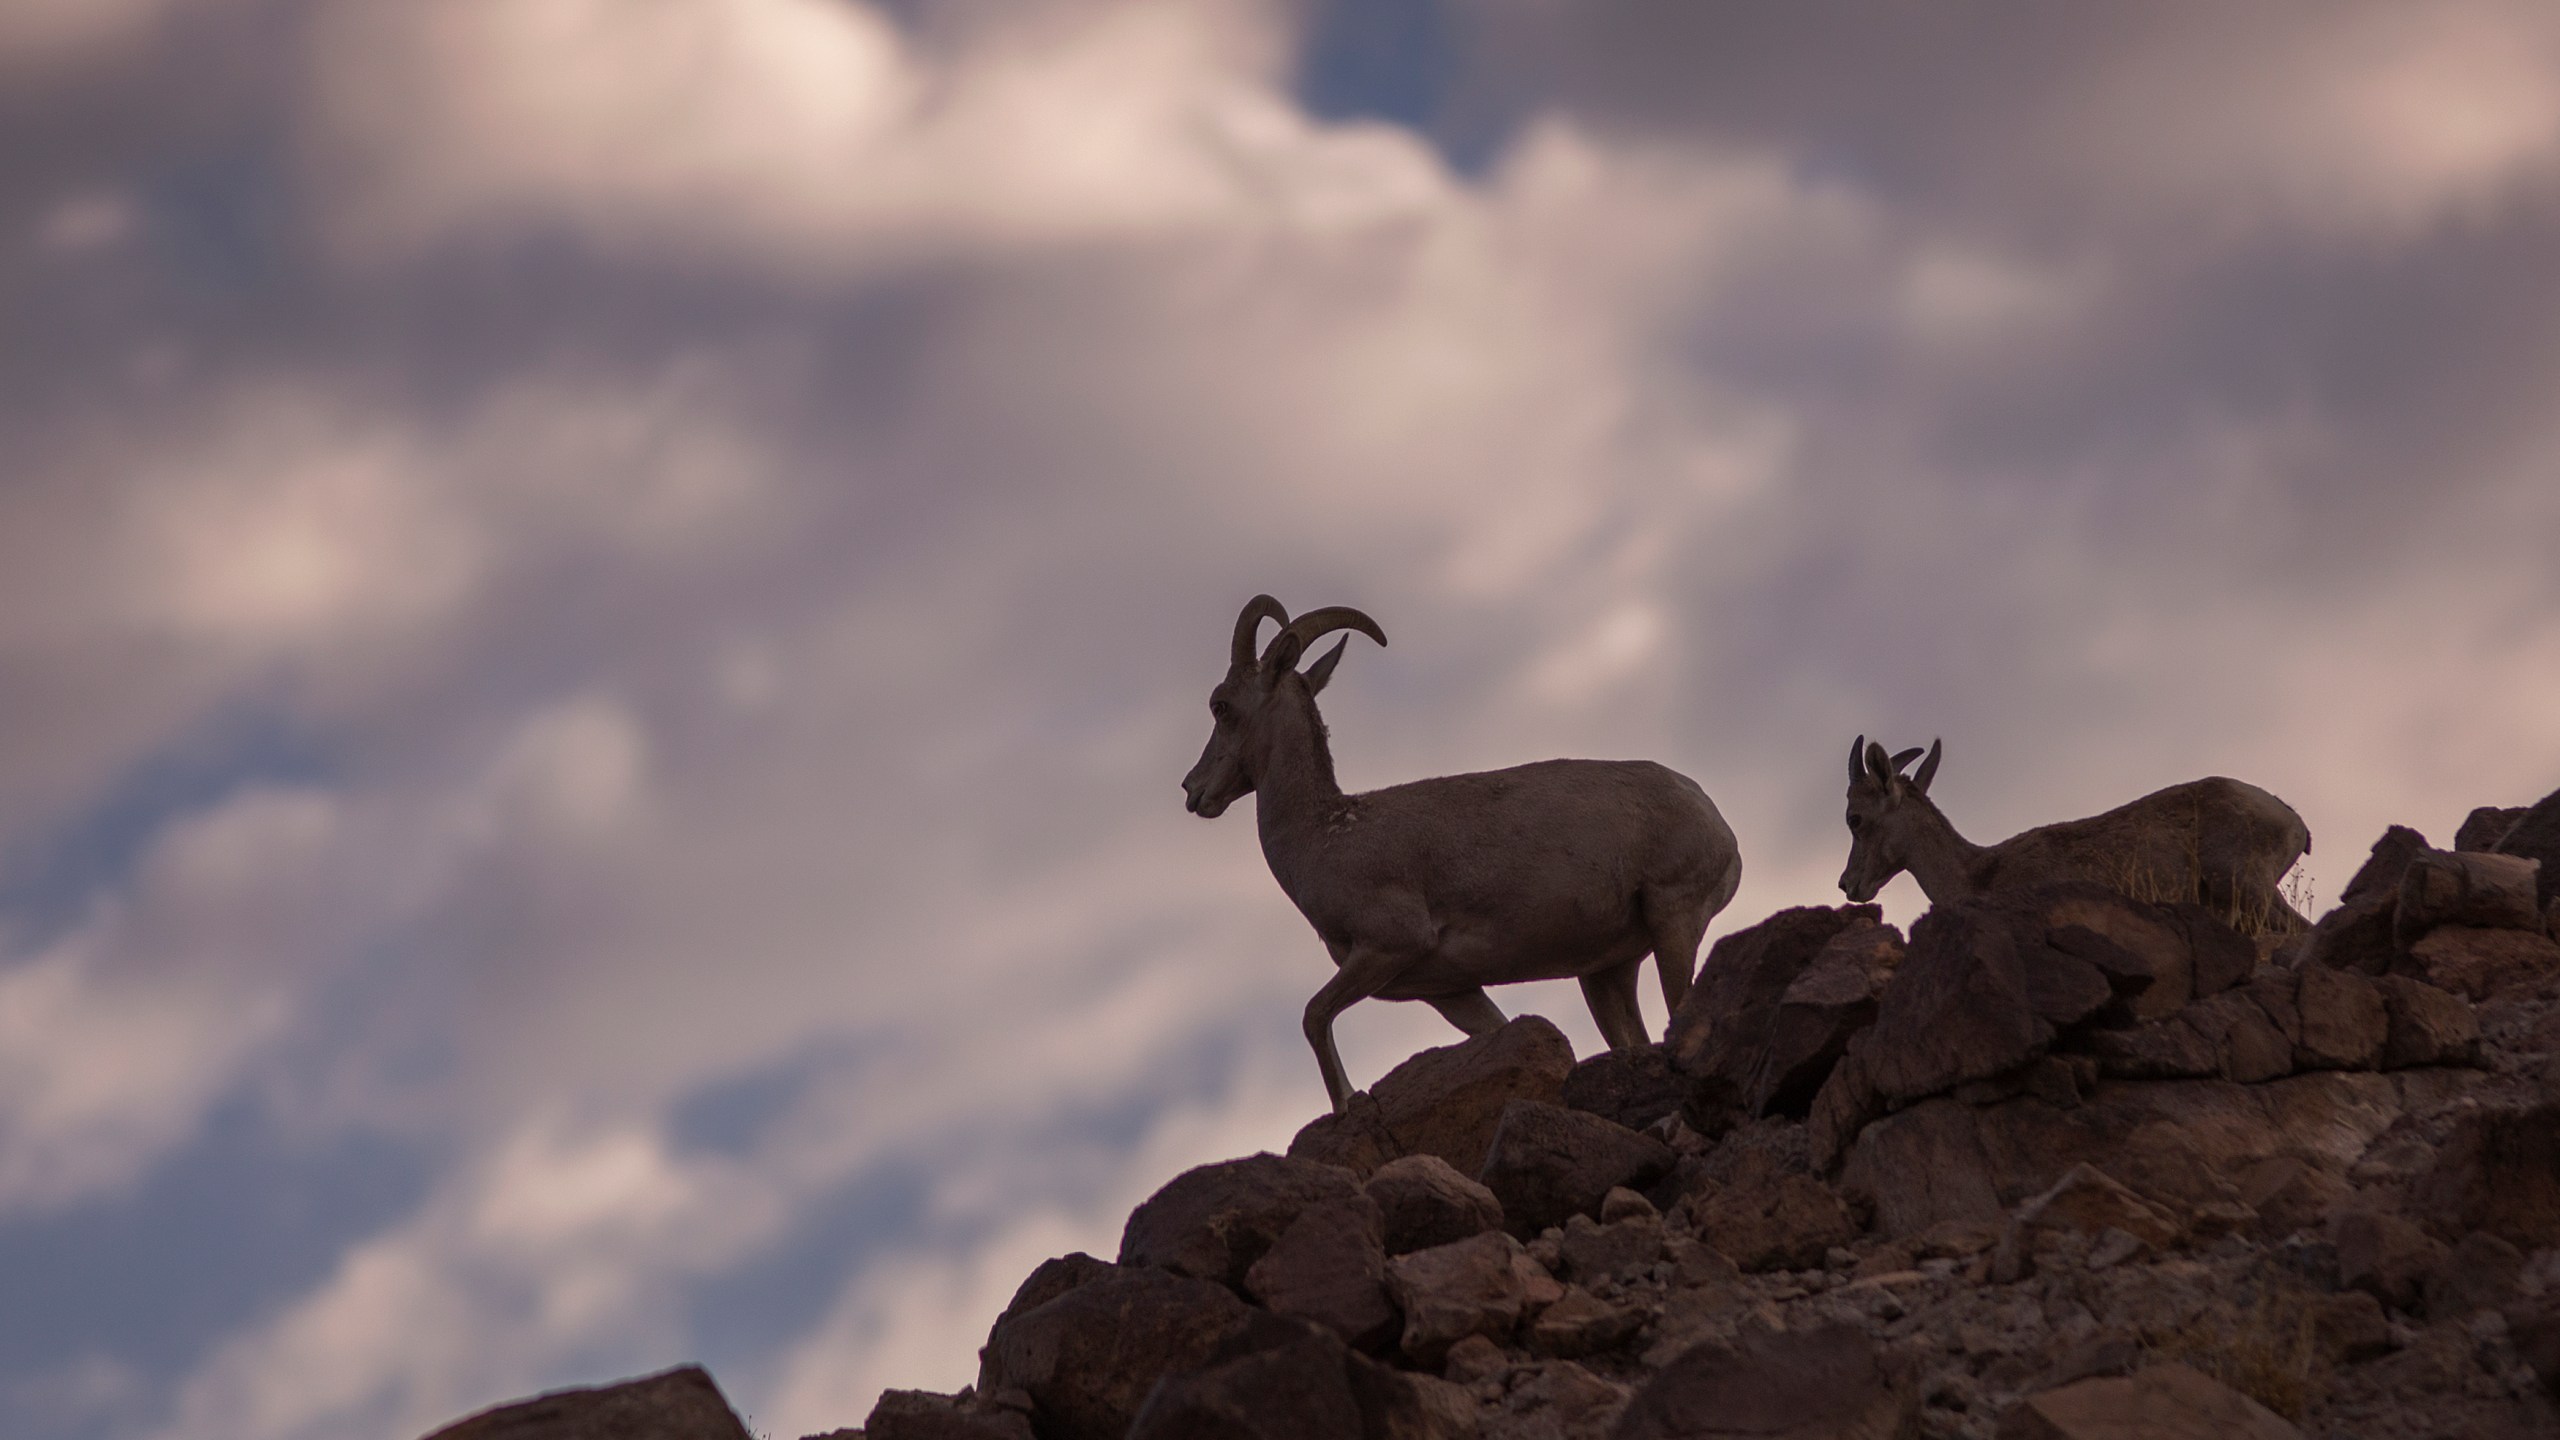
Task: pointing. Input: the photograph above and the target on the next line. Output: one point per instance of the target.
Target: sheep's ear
(1322, 670)
(1928, 770)
(1879, 765)
(1283, 655)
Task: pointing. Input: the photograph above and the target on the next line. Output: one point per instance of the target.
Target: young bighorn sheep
(2217, 841)
(1433, 890)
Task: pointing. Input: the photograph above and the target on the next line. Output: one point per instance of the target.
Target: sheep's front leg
(1365, 971)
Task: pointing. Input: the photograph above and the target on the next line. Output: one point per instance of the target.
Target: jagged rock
(2141, 948)
(1775, 1222)
(2480, 964)
(1088, 1358)
(2344, 1023)
(2356, 936)
(1721, 1038)
(1330, 1268)
(1589, 1251)
(1475, 1286)
(2088, 1201)
(2484, 827)
(2290, 1195)
(1823, 1008)
(2427, 1026)
(1556, 1400)
(1580, 1324)
(2379, 876)
(2536, 836)
(1625, 1204)
(1445, 1101)
(2385, 1256)
(1846, 1104)
(1212, 1222)
(2484, 890)
(1633, 1088)
(1826, 1384)
(679, 1404)
(1548, 1163)
(924, 1415)
(2165, 1402)
(2480, 1273)
(2169, 1049)
(2246, 1043)
(1958, 1009)
(2498, 1170)
(1423, 1202)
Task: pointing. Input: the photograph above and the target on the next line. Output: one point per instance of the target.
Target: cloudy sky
(602, 602)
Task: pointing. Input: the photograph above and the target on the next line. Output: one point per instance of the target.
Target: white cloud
(117, 1037)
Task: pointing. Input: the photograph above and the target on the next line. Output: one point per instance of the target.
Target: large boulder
(2426, 1025)
(1329, 1268)
(1957, 1009)
(2344, 1021)
(1722, 1035)
(1423, 1201)
(2165, 1402)
(1445, 1101)
(1635, 1088)
(680, 1404)
(1212, 1222)
(1088, 1358)
(2447, 887)
(2482, 963)
(1548, 1163)
(1477, 1286)
(1825, 1384)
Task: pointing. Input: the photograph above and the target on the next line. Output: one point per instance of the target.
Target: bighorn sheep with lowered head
(2216, 841)
(1433, 890)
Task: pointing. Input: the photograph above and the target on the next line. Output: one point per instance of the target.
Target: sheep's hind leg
(1472, 1011)
(1611, 993)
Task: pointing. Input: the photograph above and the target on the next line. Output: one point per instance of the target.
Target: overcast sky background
(602, 602)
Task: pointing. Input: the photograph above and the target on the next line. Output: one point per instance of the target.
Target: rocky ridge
(2063, 1166)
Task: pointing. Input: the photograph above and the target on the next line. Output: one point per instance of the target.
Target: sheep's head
(1885, 807)
(1238, 707)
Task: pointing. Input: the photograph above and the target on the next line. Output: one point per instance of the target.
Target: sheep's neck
(1293, 775)
(1947, 865)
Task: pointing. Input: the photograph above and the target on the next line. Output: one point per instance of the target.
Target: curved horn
(1316, 624)
(1905, 758)
(1256, 610)
(1857, 759)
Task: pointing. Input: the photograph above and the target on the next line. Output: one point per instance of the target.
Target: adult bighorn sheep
(2220, 842)
(1433, 890)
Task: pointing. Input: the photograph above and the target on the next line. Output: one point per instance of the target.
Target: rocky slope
(2067, 1165)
